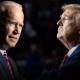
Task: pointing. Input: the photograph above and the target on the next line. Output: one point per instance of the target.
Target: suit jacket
(69, 71)
(4, 71)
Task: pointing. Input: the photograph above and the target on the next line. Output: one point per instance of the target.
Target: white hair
(4, 7)
(5, 4)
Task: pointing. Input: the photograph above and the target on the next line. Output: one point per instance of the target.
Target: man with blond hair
(11, 24)
(69, 35)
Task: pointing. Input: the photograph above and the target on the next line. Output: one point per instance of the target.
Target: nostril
(15, 32)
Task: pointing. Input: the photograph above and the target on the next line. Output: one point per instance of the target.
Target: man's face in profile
(67, 26)
(13, 26)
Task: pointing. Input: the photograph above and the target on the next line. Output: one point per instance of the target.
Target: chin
(59, 36)
(12, 45)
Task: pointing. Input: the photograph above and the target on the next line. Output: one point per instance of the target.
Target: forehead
(69, 12)
(15, 13)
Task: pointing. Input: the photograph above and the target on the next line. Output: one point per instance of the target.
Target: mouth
(59, 29)
(12, 37)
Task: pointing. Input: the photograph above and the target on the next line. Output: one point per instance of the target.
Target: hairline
(4, 9)
(75, 8)
(71, 6)
(5, 4)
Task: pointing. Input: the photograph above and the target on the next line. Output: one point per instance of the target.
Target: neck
(72, 44)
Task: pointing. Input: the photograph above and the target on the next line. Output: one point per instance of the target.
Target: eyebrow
(64, 16)
(15, 22)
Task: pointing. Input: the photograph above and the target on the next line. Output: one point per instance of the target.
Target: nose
(59, 23)
(16, 30)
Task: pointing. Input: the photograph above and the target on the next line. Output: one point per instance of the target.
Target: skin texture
(12, 27)
(68, 31)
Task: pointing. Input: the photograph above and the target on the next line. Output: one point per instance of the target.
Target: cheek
(67, 31)
(70, 32)
(20, 30)
(9, 30)
(68, 26)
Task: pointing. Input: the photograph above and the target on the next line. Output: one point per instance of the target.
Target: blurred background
(38, 49)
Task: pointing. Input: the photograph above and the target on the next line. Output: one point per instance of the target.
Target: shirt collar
(73, 49)
(3, 52)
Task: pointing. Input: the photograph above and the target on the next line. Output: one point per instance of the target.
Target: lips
(13, 37)
(60, 29)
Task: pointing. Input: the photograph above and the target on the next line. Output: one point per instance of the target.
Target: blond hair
(71, 6)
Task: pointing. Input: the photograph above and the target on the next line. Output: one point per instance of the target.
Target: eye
(20, 25)
(11, 23)
(65, 18)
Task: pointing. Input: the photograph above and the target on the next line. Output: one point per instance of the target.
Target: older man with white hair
(11, 24)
